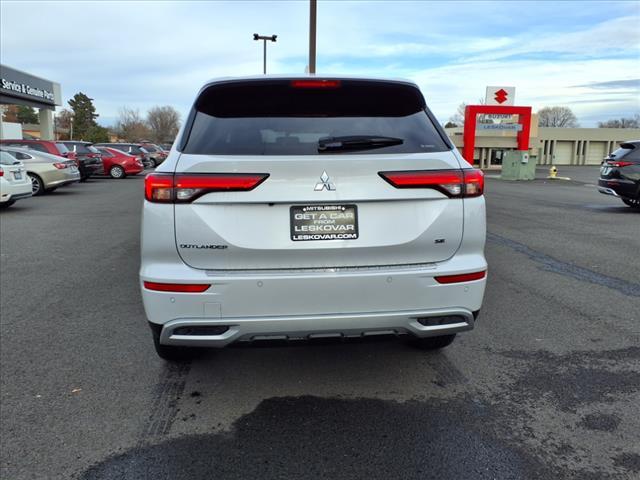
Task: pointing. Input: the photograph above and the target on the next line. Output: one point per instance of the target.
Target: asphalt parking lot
(547, 386)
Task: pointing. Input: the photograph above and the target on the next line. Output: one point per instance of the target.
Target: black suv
(87, 156)
(132, 149)
(620, 174)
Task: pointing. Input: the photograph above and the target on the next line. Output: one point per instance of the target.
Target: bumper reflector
(177, 287)
(465, 277)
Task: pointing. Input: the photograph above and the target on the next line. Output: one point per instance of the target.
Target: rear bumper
(306, 305)
(13, 191)
(618, 187)
(308, 327)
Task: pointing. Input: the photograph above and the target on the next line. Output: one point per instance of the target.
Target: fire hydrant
(553, 171)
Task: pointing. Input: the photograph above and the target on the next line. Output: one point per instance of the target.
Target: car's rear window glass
(628, 151)
(150, 148)
(274, 118)
(62, 148)
(7, 159)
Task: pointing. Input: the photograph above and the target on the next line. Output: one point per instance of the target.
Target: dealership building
(547, 146)
(21, 88)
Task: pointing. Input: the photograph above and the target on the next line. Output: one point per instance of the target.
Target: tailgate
(253, 229)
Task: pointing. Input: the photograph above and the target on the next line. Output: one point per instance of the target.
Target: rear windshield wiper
(356, 142)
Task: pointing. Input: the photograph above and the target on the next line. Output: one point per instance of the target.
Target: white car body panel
(14, 183)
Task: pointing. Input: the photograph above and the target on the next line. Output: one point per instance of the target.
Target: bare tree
(557, 117)
(458, 117)
(164, 123)
(631, 122)
(131, 126)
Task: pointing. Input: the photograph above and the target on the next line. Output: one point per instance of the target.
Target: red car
(46, 146)
(118, 164)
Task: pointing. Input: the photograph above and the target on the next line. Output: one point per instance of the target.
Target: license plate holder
(17, 175)
(324, 222)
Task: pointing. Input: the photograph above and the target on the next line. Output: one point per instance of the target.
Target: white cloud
(146, 53)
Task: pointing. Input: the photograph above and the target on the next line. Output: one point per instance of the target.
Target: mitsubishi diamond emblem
(324, 183)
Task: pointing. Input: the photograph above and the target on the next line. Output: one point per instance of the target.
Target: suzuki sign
(504, 96)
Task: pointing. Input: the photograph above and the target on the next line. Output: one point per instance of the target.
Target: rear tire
(152, 163)
(433, 343)
(37, 185)
(632, 202)
(170, 353)
(117, 172)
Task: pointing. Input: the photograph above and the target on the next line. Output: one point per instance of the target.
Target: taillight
(177, 287)
(184, 188)
(60, 165)
(453, 183)
(1, 172)
(315, 83)
(620, 163)
(465, 277)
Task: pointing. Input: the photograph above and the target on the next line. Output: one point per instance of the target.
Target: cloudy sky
(585, 55)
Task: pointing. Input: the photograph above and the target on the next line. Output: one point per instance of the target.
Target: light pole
(71, 128)
(313, 6)
(264, 39)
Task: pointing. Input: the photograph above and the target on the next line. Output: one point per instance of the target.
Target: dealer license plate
(17, 175)
(324, 222)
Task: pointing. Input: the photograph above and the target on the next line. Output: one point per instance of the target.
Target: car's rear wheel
(117, 172)
(152, 163)
(170, 353)
(632, 202)
(37, 185)
(433, 343)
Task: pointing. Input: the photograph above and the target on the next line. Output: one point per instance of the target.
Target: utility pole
(264, 39)
(313, 4)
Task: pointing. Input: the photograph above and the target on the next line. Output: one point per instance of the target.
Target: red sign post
(472, 111)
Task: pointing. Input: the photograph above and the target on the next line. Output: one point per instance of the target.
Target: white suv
(306, 207)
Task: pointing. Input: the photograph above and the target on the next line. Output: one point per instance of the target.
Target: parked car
(620, 174)
(46, 172)
(14, 182)
(166, 147)
(331, 227)
(155, 152)
(132, 149)
(118, 164)
(46, 146)
(90, 162)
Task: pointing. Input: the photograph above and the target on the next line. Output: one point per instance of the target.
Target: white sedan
(14, 181)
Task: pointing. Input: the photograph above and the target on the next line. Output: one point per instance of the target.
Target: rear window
(62, 148)
(105, 152)
(7, 159)
(82, 148)
(276, 118)
(149, 148)
(628, 151)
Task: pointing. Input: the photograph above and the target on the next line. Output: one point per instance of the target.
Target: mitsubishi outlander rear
(306, 207)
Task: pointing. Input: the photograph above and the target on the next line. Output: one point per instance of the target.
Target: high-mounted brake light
(453, 183)
(183, 188)
(465, 277)
(319, 84)
(177, 287)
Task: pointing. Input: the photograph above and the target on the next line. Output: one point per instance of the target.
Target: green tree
(97, 134)
(84, 115)
(26, 115)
